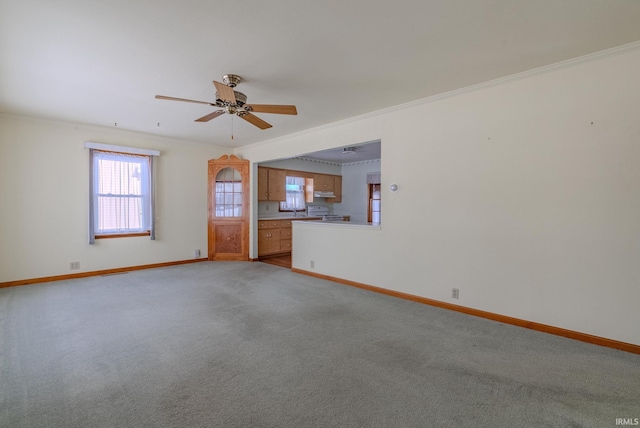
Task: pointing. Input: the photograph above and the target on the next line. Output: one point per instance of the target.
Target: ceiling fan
(234, 102)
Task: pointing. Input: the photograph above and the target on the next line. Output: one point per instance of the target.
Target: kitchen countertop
(290, 218)
(345, 224)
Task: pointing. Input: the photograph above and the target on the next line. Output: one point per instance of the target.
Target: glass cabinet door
(228, 193)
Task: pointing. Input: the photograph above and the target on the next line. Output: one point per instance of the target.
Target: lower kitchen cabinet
(285, 236)
(274, 236)
(268, 241)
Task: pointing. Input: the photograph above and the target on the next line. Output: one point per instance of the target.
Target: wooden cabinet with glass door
(228, 229)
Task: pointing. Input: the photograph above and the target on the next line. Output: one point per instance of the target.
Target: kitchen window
(295, 194)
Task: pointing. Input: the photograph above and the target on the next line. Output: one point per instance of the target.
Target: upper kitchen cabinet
(323, 183)
(272, 184)
(328, 183)
(337, 188)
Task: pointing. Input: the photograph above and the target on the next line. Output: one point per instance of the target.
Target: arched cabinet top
(229, 159)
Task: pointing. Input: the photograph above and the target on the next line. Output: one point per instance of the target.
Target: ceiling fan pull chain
(232, 127)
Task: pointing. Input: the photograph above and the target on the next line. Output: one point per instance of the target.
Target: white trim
(326, 162)
(121, 149)
(361, 162)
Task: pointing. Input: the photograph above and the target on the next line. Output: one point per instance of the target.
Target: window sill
(123, 235)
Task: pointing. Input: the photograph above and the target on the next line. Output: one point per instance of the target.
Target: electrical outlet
(312, 264)
(74, 265)
(196, 254)
(455, 293)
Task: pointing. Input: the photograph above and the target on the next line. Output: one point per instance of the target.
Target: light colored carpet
(235, 344)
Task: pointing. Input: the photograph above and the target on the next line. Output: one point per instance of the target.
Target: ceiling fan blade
(271, 108)
(255, 120)
(162, 97)
(210, 116)
(225, 92)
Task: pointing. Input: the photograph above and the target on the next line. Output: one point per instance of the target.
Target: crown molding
(364, 162)
(512, 77)
(302, 158)
(325, 162)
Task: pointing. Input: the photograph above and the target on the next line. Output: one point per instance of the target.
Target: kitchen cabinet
(268, 237)
(271, 184)
(337, 188)
(271, 233)
(328, 183)
(274, 236)
(228, 208)
(285, 236)
(323, 183)
(268, 241)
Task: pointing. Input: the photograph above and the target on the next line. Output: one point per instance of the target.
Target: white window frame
(102, 152)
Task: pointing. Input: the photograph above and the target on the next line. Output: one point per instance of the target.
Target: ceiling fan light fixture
(235, 103)
(349, 151)
(231, 80)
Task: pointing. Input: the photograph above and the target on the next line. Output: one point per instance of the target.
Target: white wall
(44, 172)
(524, 194)
(355, 190)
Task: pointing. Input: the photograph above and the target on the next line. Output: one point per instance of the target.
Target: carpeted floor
(235, 344)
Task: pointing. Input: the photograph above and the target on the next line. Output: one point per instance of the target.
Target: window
(373, 182)
(229, 193)
(121, 195)
(295, 194)
(374, 203)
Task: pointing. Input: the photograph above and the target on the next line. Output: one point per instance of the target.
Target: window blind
(373, 178)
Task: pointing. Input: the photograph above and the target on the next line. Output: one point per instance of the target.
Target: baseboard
(576, 335)
(96, 273)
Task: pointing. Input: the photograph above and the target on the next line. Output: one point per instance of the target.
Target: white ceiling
(103, 62)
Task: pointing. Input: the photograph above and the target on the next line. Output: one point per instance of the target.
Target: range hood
(319, 194)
